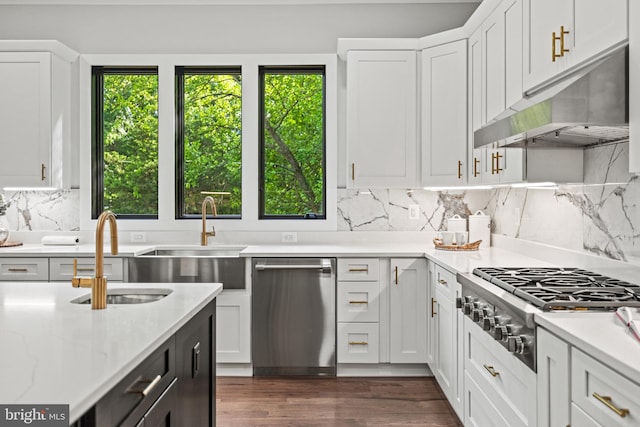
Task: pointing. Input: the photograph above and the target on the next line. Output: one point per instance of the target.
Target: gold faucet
(98, 284)
(204, 236)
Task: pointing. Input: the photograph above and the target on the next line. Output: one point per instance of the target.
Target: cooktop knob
(459, 303)
(476, 315)
(489, 323)
(515, 344)
(501, 332)
(467, 307)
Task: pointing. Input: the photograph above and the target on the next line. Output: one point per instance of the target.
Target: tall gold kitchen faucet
(98, 284)
(204, 236)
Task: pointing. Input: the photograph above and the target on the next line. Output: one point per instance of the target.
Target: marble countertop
(65, 353)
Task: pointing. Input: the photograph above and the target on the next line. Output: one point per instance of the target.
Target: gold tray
(9, 244)
(471, 246)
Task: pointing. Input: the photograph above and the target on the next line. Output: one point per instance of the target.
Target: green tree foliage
(294, 143)
(293, 128)
(130, 120)
(213, 141)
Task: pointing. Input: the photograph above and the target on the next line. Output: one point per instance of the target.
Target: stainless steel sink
(197, 264)
(206, 252)
(128, 296)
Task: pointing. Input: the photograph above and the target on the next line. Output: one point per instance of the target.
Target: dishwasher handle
(325, 267)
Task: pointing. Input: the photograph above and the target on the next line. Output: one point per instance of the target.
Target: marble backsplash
(600, 216)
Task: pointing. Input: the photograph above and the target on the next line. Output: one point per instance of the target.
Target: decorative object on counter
(480, 228)
(626, 316)
(60, 240)
(456, 223)
(472, 246)
(4, 224)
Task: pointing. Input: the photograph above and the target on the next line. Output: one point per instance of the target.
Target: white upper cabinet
(381, 119)
(34, 118)
(563, 34)
(444, 114)
(475, 117)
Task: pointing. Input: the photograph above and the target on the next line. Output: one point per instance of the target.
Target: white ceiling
(222, 2)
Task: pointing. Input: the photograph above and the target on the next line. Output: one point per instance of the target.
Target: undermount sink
(204, 251)
(194, 264)
(128, 296)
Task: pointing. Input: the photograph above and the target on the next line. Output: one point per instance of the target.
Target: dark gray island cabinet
(174, 386)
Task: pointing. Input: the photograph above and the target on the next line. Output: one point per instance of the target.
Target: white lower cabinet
(577, 390)
(554, 400)
(358, 310)
(408, 310)
(358, 343)
(233, 327)
(480, 411)
(61, 269)
(34, 269)
(507, 382)
(605, 396)
(445, 334)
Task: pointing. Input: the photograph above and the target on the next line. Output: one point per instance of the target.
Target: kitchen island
(59, 352)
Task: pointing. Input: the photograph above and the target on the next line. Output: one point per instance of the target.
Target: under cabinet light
(30, 188)
(534, 185)
(475, 187)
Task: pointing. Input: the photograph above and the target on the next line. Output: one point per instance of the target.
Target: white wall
(224, 29)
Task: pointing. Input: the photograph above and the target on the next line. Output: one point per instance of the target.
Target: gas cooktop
(556, 288)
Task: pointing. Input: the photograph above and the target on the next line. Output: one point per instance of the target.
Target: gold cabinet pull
(554, 40)
(87, 269)
(606, 401)
(353, 171)
(396, 275)
(475, 166)
(18, 270)
(496, 156)
(359, 270)
(42, 172)
(442, 282)
(491, 370)
(433, 302)
(358, 343)
(136, 387)
(459, 169)
(358, 302)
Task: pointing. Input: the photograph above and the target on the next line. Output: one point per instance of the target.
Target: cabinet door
(444, 114)
(408, 311)
(25, 118)
(504, 165)
(445, 329)
(475, 163)
(542, 19)
(195, 368)
(381, 119)
(233, 328)
(493, 69)
(164, 411)
(553, 399)
(431, 315)
(592, 28)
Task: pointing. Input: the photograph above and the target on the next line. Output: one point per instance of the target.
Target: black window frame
(97, 136)
(290, 69)
(180, 72)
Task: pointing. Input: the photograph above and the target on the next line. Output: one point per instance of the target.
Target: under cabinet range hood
(590, 108)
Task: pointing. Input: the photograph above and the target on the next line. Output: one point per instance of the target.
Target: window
(125, 141)
(208, 140)
(292, 143)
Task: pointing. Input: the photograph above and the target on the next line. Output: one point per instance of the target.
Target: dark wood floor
(297, 402)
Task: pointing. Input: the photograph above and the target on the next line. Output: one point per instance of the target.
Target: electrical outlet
(138, 237)
(289, 237)
(414, 211)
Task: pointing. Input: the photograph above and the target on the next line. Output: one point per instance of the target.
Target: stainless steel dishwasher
(293, 316)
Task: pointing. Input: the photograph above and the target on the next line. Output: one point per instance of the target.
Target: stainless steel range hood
(587, 109)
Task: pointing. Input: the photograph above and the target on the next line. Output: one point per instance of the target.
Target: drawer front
(358, 269)
(480, 412)
(603, 394)
(35, 269)
(358, 301)
(580, 418)
(358, 343)
(506, 381)
(61, 269)
(132, 397)
(445, 280)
